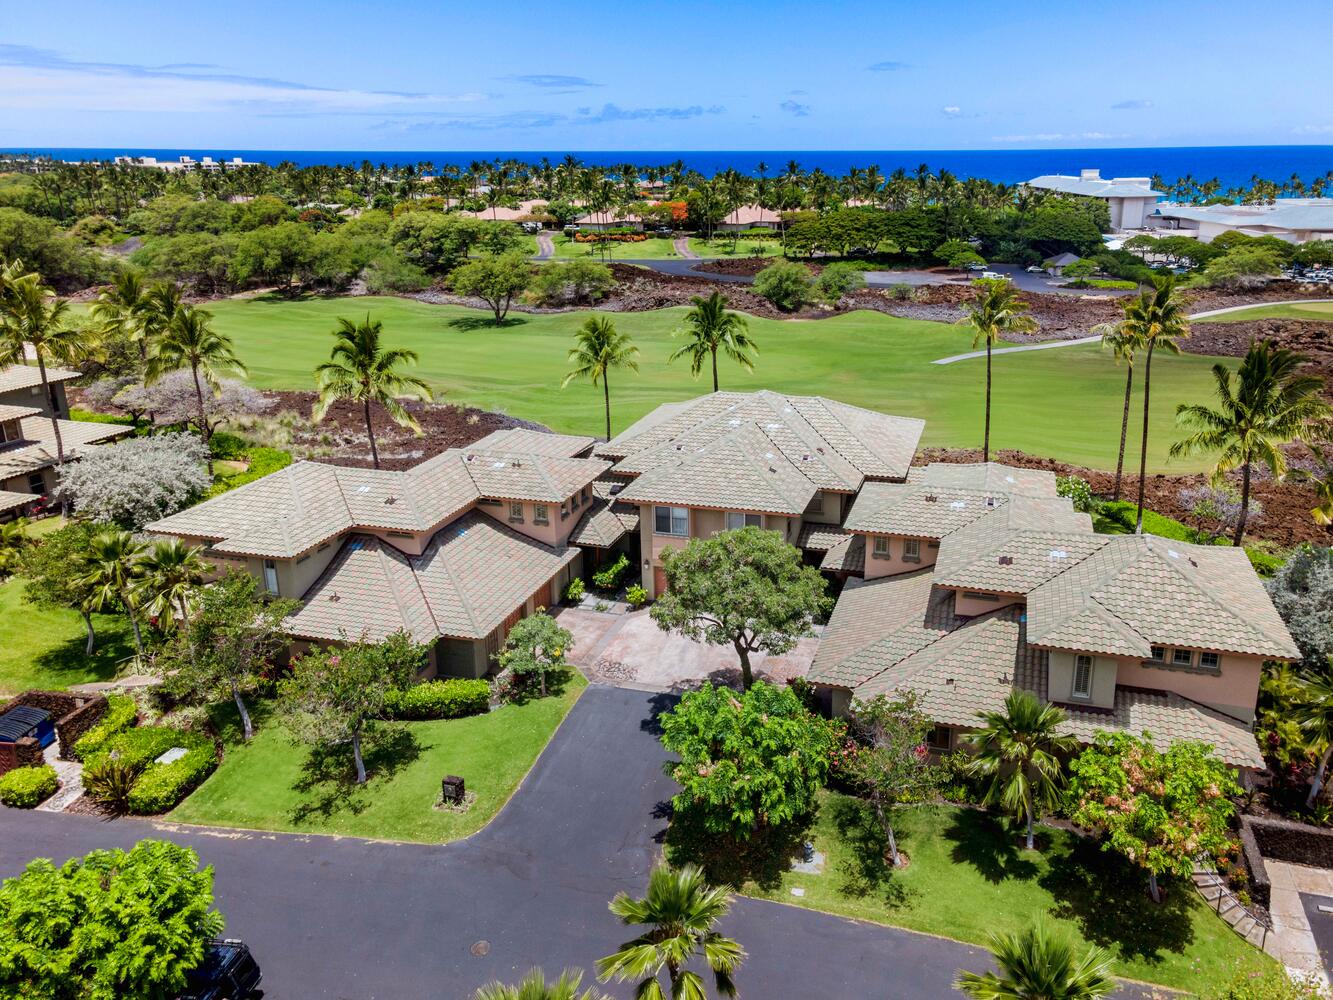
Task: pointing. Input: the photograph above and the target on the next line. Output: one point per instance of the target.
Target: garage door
(659, 581)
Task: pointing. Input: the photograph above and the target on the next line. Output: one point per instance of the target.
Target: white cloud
(952, 110)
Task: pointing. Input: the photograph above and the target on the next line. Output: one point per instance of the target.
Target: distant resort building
(1129, 199)
(1296, 220)
(183, 163)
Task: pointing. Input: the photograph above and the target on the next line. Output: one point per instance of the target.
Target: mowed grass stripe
(1064, 403)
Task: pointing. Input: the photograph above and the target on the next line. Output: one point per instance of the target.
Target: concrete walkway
(1256, 305)
(70, 774)
(681, 244)
(1292, 942)
(1048, 345)
(545, 247)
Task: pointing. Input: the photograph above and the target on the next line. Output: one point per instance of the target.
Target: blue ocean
(1231, 165)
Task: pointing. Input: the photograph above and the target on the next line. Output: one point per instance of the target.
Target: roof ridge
(459, 592)
(1204, 593)
(412, 572)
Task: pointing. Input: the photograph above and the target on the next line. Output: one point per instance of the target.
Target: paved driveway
(350, 919)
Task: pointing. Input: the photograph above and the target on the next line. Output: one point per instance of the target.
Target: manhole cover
(481, 948)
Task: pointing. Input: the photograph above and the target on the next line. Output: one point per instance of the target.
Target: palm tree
(535, 987)
(125, 310)
(710, 328)
(1123, 343)
(1314, 714)
(1269, 403)
(1018, 751)
(1155, 319)
(1035, 965)
(13, 539)
(114, 569)
(681, 910)
(996, 311)
(599, 347)
(170, 573)
(364, 372)
(1321, 478)
(189, 341)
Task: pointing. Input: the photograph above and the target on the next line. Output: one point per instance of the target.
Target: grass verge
(44, 649)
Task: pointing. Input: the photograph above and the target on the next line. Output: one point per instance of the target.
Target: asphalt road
(349, 919)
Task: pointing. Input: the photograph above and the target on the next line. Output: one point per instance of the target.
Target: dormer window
(1210, 661)
(1159, 654)
(817, 504)
(1182, 657)
(1082, 686)
(516, 513)
(541, 514)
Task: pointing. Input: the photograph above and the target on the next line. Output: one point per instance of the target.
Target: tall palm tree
(170, 572)
(535, 987)
(599, 347)
(189, 341)
(114, 569)
(364, 372)
(1321, 479)
(996, 311)
(710, 328)
(1123, 343)
(1314, 714)
(1018, 751)
(1155, 319)
(1269, 403)
(125, 310)
(1036, 965)
(681, 910)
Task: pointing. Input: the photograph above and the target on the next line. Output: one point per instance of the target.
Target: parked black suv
(228, 972)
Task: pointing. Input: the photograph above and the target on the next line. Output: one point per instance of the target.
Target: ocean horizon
(1233, 166)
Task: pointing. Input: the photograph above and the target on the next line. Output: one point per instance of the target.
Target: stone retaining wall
(73, 715)
(1281, 840)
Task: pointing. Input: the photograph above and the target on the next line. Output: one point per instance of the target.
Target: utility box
(452, 787)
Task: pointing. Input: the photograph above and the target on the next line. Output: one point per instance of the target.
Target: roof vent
(363, 489)
(616, 488)
(948, 680)
(497, 465)
(931, 498)
(1008, 479)
(680, 447)
(990, 503)
(733, 422)
(819, 448)
(1173, 553)
(958, 504)
(334, 598)
(391, 500)
(1006, 560)
(806, 457)
(469, 457)
(773, 426)
(1194, 563)
(1059, 554)
(516, 464)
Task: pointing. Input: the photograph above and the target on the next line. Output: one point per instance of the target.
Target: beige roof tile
(26, 376)
(846, 556)
(991, 477)
(525, 441)
(37, 449)
(606, 521)
(12, 501)
(539, 478)
(18, 412)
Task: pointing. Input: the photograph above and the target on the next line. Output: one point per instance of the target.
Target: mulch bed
(735, 265)
(86, 805)
(1286, 507)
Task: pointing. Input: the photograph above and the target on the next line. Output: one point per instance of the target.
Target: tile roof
(26, 376)
(919, 510)
(525, 441)
(990, 477)
(606, 521)
(18, 412)
(471, 576)
(37, 448)
(847, 556)
(12, 501)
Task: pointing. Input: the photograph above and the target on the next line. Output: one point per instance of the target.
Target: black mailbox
(452, 786)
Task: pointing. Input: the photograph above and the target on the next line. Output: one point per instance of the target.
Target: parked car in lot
(228, 972)
(992, 275)
(1035, 269)
(976, 267)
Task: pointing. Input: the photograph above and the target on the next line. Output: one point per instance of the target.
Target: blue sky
(576, 75)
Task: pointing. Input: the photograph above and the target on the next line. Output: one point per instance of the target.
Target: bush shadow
(468, 324)
(556, 683)
(868, 872)
(658, 705)
(991, 846)
(111, 652)
(762, 857)
(328, 775)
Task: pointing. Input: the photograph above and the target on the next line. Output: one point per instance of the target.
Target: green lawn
(274, 784)
(653, 248)
(44, 649)
(1318, 311)
(968, 878)
(720, 246)
(1064, 403)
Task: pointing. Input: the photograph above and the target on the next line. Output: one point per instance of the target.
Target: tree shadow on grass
(658, 705)
(328, 776)
(868, 872)
(761, 858)
(991, 846)
(1109, 900)
(112, 651)
(556, 683)
(468, 324)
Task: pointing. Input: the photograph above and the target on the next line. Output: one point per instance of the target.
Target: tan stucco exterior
(703, 522)
(892, 557)
(1060, 682)
(33, 396)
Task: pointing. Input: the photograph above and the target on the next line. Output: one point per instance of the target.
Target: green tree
(893, 763)
(189, 341)
(748, 762)
(123, 309)
(1161, 809)
(747, 588)
(112, 925)
(235, 633)
(1036, 965)
(494, 280)
(1243, 267)
(55, 574)
(13, 540)
(1313, 712)
(838, 280)
(281, 254)
(1320, 479)
(113, 568)
(336, 696)
(681, 911)
(1269, 403)
(995, 312)
(1018, 753)
(598, 348)
(170, 572)
(710, 328)
(1124, 344)
(536, 645)
(363, 371)
(535, 987)
(786, 284)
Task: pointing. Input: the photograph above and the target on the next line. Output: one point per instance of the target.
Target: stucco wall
(33, 397)
(896, 562)
(971, 606)
(703, 523)
(1060, 683)
(1233, 690)
(832, 512)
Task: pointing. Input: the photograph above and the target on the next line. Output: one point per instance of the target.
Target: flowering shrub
(610, 236)
(138, 480)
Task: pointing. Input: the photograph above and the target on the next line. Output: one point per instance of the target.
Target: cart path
(545, 247)
(681, 244)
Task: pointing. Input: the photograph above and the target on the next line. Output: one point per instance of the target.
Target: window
(912, 549)
(671, 521)
(9, 430)
(540, 514)
(270, 576)
(735, 521)
(881, 549)
(516, 513)
(1082, 677)
(817, 504)
(1210, 661)
(490, 502)
(1158, 654)
(1182, 657)
(36, 483)
(939, 738)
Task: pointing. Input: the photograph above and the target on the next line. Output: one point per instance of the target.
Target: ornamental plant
(28, 787)
(1161, 809)
(536, 645)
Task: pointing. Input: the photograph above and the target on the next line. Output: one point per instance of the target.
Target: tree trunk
(541, 676)
(1317, 785)
(370, 433)
(134, 622)
(888, 832)
(985, 441)
(747, 677)
(50, 401)
(714, 352)
(246, 726)
(1153, 891)
(92, 636)
(1124, 433)
(1143, 449)
(203, 420)
(1244, 504)
(185, 611)
(606, 393)
(1027, 801)
(356, 756)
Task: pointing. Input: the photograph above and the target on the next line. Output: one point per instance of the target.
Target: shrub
(138, 481)
(784, 283)
(1266, 564)
(1078, 491)
(120, 714)
(110, 782)
(574, 590)
(636, 596)
(439, 699)
(139, 746)
(161, 786)
(226, 445)
(609, 577)
(1110, 284)
(27, 787)
(1118, 518)
(262, 462)
(837, 280)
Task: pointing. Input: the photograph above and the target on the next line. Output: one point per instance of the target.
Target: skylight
(1059, 554)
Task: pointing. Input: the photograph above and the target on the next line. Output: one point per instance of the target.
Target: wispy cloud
(951, 111)
(888, 66)
(1313, 130)
(1138, 104)
(1060, 137)
(552, 81)
(795, 108)
(524, 120)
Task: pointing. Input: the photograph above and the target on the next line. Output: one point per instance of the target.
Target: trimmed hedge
(121, 712)
(138, 747)
(28, 787)
(262, 462)
(611, 576)
(440, 699)
(162, 786)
